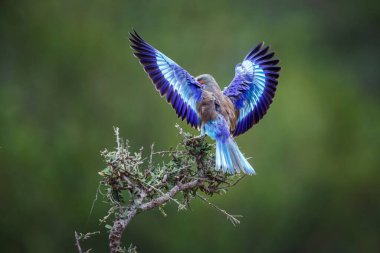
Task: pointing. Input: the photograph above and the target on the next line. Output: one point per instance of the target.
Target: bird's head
(206, 80)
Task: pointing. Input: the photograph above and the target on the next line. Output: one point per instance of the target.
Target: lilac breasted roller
(222, 115)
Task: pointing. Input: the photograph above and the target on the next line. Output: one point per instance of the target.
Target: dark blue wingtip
(261, 55)
(133, 32)
(132, 36)
(135, 38)
(254, 50)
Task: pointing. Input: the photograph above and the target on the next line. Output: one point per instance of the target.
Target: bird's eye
(201, 81)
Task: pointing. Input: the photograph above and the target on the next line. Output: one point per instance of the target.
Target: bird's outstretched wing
(181, 89)
(253, 87)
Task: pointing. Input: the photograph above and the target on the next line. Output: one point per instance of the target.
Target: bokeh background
(67, 76)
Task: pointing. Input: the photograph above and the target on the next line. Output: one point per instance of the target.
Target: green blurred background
(67, 76)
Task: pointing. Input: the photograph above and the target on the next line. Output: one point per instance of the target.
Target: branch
(117, 230)
(133, 184)
(169, 195)
(121, 223)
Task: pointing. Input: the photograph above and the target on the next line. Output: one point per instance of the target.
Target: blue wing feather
(253, 87)
(180, 88)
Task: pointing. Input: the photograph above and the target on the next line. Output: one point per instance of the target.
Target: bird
(221, 115)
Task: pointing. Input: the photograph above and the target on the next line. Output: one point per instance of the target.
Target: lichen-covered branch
(120, 224)
(118, 228)
(132, 184)
(170, 194)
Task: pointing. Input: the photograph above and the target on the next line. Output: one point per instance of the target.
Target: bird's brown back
(213, 102)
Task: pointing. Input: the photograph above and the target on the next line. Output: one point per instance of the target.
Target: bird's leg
(203, 133)
(201, 136)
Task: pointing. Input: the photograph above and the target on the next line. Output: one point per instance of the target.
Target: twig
(93, 203)
(116, 129)
(230, 217)
(132, 249)
(81, 236)
(77, 242)
(234, 183)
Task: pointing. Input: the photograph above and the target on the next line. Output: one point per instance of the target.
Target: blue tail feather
(230, 159)
(228, 156)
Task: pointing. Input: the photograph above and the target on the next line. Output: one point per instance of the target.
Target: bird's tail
(230, 159)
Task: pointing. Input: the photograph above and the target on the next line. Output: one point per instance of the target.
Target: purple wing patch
(176, 84)
(253, 87)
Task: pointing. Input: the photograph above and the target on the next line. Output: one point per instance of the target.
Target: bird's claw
(201, 137)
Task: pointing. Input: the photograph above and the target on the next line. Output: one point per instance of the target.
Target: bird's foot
(201, 136)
